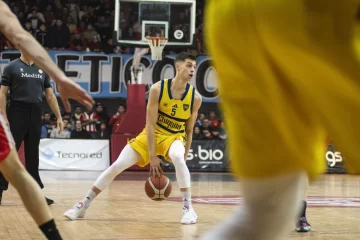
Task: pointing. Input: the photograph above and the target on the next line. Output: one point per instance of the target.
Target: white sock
(89, 197)
(186, 199)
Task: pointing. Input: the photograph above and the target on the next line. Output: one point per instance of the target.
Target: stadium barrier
(204, 155)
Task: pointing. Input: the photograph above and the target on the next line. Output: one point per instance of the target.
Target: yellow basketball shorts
(163, 143)
(288, 77)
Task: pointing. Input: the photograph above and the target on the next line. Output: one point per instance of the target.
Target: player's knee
(177, 157)
(177, 152)
(126, 159)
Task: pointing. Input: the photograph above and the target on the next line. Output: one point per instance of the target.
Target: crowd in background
(98, 124)
(85, 25)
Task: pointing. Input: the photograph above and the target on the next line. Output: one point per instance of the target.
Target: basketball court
(123, 211)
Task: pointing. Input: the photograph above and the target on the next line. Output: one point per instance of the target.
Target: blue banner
(106, 75)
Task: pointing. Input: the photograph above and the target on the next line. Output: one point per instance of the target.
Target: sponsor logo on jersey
(166, 122)
(27, 75)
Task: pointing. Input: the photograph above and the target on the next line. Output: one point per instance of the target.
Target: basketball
(158, 188)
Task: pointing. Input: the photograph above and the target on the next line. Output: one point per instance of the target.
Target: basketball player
(172, 110)
(10, 165)
(288, 74)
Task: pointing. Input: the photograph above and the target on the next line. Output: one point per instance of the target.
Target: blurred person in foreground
(283, 73)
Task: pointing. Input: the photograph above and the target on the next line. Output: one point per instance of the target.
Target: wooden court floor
(124, 212)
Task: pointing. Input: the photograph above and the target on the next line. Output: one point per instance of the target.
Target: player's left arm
(190, 123)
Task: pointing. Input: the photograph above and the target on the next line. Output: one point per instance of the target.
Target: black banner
(210, 156)
(334, 160)
(205, 156)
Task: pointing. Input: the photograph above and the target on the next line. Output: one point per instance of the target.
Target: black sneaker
(303, 225)
(49, 201)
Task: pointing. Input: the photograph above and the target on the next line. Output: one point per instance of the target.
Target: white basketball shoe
(189, 215)
(78, 211)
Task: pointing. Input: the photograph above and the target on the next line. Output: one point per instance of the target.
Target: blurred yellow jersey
(170, 125)
(288, 75)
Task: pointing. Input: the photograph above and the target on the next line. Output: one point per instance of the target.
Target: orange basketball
(158, 188)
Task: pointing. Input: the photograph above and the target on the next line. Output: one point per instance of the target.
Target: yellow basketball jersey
(173, 113)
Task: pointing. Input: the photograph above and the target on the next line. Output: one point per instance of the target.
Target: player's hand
(59, 125)
(155, 168)
(68, 89)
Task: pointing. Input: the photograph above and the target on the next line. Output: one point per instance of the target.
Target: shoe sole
(188, 223)
(302, 230)
(193, 222)
(68, 216)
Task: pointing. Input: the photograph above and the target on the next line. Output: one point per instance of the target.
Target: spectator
(206, 134)
(44, 132)
(65, 13)
(90, 33)
(212, 119)
(49, 15)
(52, 126)
(89, 17)
(82, 27)
(60, 35)
(68, 127)
(95, 45)
(88, 120)
(71, 25)
(46, 126)
(222, 133)
(74, 12)
(35, 18)
(200, 119)
(64, 134)
(205, 124)
(215, 133)
(108, 47)
(103, 28)
(197, 135)
(77, 43)
(76, 116)
(79, 132)
(83, 11)
(117, 117)
(103, 117)
(42, 36)
(103, 133)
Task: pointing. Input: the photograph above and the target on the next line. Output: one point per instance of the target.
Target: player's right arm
(151, 119)
(21, 39)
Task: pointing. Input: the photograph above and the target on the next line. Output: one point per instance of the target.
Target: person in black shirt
(79, 132)
(103, 133)
(26, 84)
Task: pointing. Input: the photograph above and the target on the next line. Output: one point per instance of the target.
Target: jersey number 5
(173, 112)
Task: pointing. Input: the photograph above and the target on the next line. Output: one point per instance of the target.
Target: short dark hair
(184, 55)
